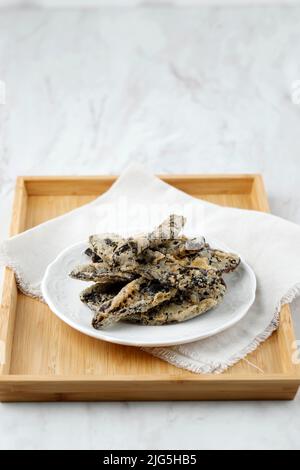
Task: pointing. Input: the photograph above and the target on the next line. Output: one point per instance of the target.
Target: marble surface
(190, 90)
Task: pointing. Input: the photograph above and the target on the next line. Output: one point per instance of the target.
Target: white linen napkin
(137, 202)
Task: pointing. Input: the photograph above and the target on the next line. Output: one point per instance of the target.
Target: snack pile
(153, 279)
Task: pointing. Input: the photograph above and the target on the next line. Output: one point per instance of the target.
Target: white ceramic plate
(62, 295)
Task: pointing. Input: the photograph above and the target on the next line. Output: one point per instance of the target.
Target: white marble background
(130, 3)
(182, 90)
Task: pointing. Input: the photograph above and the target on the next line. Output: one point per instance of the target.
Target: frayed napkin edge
(23, 286)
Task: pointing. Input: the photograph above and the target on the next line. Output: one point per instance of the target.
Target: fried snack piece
(125, 252)
(177, 273)
(97, 294)
(100, 272)
(218, 260)
(173, 312)
(182, 307)
(169, 229)
(104, 245)
(136, 297)
(118, 251)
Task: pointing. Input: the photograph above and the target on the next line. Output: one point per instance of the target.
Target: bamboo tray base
(46, 360)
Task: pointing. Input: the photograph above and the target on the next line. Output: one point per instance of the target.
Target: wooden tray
(46, 360)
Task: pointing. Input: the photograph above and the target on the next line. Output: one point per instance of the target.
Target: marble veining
(181, 90)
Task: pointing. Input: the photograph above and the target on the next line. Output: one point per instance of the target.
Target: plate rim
(112, 339)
